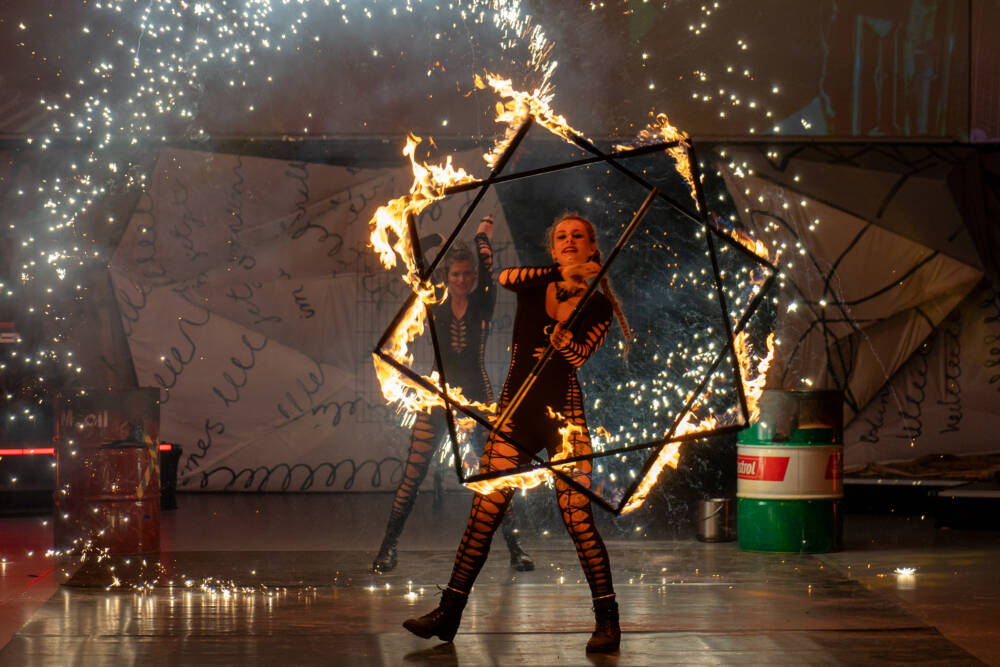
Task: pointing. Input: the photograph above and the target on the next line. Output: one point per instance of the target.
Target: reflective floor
(284, 580)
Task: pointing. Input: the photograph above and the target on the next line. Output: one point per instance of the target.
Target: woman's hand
(580, 273)
(486, 227)
(560, 337)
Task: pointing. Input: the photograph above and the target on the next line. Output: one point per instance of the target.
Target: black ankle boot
(607, 635)
(519, 558)
(386, 559)
(443, 621)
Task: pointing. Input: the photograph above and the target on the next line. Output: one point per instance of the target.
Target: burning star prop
(665, 397)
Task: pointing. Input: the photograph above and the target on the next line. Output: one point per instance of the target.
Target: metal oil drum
(789, 484)
(107, 498)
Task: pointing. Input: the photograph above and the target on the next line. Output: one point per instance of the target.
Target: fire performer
(463, 321)
(546, 297)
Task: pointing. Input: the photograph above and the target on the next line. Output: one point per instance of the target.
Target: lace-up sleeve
(589, 336)
(485, 287)
(522, 277)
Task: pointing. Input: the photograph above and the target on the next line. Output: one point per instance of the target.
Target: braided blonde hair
(605, 284)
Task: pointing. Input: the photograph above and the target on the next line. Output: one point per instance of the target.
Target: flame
(660, 130)
(429, 183)
(516, 110)
(753, 388)
(754, 380)
(532, 478)
(754, 245)
(670, 455)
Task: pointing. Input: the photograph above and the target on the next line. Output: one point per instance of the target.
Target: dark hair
(596, 257)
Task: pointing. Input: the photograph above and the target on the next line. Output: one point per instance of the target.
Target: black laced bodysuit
(462, 344)
(533, 429)
(462, 340)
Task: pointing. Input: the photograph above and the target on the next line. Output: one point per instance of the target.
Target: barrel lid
(797, 417)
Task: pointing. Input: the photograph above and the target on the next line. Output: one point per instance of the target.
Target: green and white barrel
(790, 474)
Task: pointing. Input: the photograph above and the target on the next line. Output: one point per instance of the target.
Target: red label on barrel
(833, 468)
(762, 468)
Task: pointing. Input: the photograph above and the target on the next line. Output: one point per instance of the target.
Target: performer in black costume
(545, 299)
(462, 322)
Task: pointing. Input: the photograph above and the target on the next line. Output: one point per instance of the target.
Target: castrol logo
(789, 472)
(770, 468)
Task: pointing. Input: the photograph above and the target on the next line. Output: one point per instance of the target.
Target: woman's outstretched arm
(485, 287)
(521, 277)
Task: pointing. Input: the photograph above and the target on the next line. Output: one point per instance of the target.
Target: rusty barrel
(789, 484)
(107, 498)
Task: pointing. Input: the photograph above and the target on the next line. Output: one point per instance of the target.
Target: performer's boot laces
(607, 635)
(443, 621)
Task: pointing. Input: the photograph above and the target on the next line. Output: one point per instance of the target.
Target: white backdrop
(250, 298)
(909, 332)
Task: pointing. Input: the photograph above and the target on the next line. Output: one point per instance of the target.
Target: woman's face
(461, 278)
(571, 243)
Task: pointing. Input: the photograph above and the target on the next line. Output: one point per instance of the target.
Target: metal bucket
(715, 520)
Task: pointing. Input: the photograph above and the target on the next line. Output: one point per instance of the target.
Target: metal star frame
(699, 220)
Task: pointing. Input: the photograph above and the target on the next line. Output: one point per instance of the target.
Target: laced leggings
(426, 433)
(577, 514)
(423, 438)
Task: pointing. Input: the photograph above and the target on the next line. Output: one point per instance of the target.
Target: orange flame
(754, 245)
(429, 183)
(533, 478)
(516, 110)
(753, 388)
(754, 380)
(670, 455)
(660, 130)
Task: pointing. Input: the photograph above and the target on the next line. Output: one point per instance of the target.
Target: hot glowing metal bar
(28, 451)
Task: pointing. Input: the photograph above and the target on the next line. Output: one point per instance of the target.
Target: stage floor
(289, 584)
